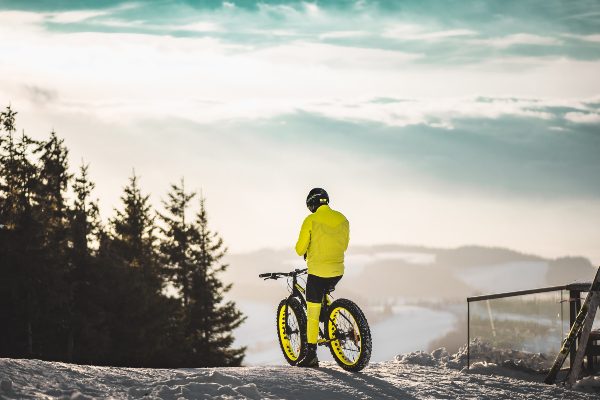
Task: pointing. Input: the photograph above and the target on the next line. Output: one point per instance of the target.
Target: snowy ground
(413, 376)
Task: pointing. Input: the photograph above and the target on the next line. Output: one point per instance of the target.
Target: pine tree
(84, 217)
(19, 173)
(71, 290)
(211, 319)
(85, 335)
(179, 238)
(21, 238)
(54, 267)
(177, 249)
(12, 306)
(140, 318)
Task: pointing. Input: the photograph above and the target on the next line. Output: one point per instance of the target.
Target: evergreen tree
(19, 173)
(211, 320)
(85, 336)
(140, 319)
(179, 238)
(73, 291)
(20, 244)
(84, 218)
(54, 266)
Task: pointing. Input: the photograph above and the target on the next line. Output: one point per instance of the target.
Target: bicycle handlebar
(277, 275)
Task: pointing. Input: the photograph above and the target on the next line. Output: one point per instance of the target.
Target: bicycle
(343, 326)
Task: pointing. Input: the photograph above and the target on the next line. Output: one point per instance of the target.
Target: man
(323, 240)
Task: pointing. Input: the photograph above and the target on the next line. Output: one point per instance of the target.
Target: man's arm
(347, 235)
(304, 237)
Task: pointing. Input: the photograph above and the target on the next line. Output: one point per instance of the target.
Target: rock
(6, 386)
(440, 353)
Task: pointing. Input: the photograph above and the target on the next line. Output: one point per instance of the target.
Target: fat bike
(342, 325)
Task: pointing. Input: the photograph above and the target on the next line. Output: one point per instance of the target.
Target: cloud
(343, 34)
(304, 53)
(128, 76)
(280, 10)
(437, 113)
(517, 39)
(19, 22)
(585, 38)
(205, 26)
(121, 23)
(311, 8)
(583, 118)
(274, 32)
(417, 32)
(40, 95)
(69, 17)
(80, 16)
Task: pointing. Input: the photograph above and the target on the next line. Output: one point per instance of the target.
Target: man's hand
(304, 256)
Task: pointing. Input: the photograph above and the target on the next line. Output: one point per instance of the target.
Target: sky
(438, 123)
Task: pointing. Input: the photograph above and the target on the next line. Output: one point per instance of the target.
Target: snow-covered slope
(416, 376)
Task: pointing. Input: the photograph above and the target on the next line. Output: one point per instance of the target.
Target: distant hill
(384, 272)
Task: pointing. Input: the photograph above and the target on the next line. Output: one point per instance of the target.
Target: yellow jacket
(324, 238)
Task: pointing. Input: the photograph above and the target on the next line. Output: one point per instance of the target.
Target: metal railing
(523, 327)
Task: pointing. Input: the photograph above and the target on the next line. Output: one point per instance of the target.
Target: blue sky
(430, 122)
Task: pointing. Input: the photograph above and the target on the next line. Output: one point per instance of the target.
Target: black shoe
(310, 360)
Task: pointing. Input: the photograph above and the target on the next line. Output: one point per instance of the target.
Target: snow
(589, 383)
(416, 375)
(509, 358)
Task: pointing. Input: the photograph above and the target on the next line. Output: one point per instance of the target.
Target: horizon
(433, 124)
(415, 246)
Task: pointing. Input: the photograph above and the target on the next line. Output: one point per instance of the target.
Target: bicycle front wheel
(291, 329)
(349, 335)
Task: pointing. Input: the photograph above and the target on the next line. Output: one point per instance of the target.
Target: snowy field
(413, 376)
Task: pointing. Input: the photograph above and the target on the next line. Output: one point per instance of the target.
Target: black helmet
(316, 198)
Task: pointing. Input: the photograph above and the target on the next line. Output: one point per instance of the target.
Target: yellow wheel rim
(290, 342)
(347, 345)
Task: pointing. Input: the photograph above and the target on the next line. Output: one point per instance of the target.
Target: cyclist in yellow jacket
(323, 240)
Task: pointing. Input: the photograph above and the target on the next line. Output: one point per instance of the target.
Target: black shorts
(316, 287)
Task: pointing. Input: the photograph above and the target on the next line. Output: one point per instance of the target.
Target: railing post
(468, 335)
(574, 306)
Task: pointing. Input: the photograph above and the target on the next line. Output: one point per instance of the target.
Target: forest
(141, 289)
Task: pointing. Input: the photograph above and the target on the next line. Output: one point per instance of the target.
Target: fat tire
(300, 313)
(364, 330)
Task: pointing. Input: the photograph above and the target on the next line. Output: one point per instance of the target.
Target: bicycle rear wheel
(291, 329)
(349, 334)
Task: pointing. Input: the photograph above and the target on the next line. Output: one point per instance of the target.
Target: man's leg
(312, 328)
(314, 295)
(315, 291)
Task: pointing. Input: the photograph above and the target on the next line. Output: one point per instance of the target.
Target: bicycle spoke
(346, 330)
(294, 331)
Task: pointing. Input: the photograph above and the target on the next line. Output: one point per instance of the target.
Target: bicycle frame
(297, 290)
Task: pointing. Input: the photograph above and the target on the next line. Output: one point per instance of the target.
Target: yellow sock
(312, 325)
